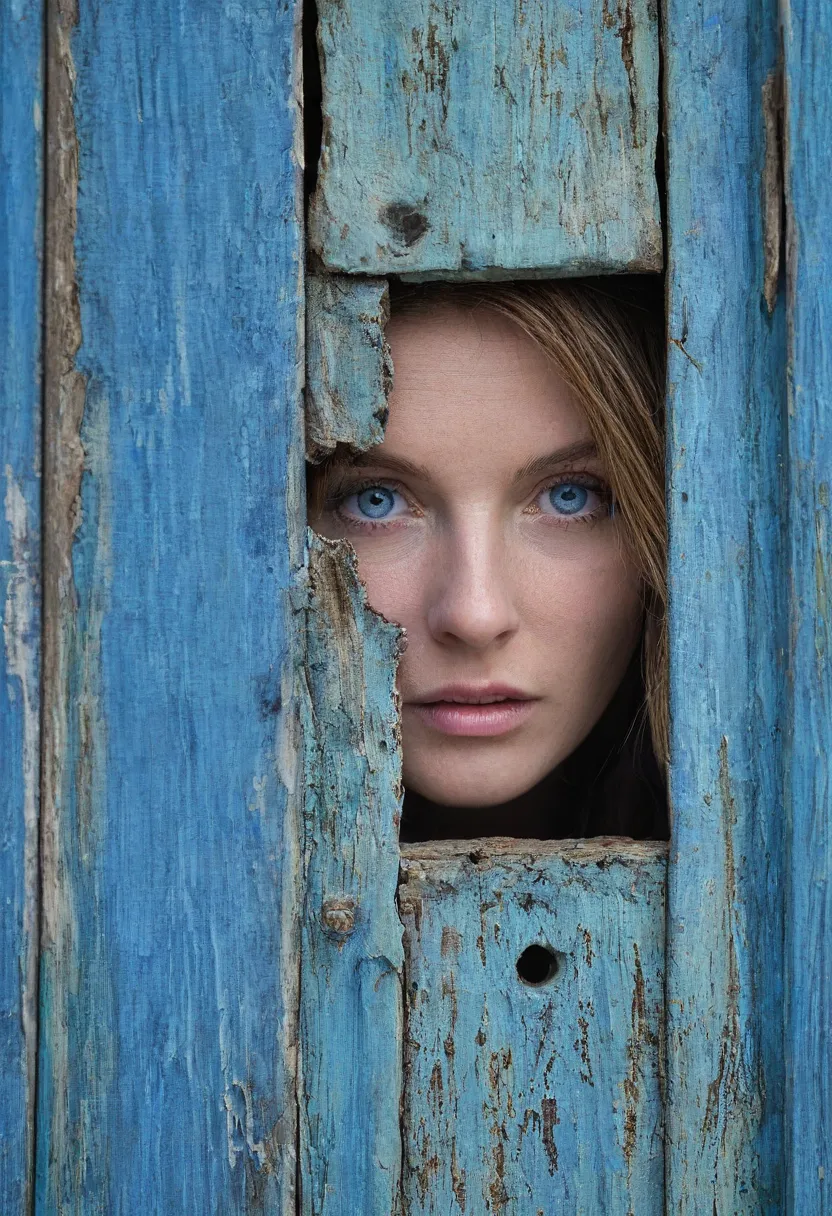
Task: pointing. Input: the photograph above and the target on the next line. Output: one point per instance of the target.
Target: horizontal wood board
(487, 139)
(169, 978)
(351, 962)
(807, 41)
(727, 612)
(526, 1100)
(21, 209)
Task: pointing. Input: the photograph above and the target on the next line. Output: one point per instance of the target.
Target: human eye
(574, 498)
(371, 504)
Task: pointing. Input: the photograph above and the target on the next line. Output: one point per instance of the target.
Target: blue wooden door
(224, 986)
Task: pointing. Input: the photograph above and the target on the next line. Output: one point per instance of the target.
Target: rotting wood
(349, 366)
(351, 961)
(464, 138)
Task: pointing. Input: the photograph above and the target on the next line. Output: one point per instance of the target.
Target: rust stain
(457, 1178)
(773, 184)
(549, 1111)
(626, 33)
(451, 941)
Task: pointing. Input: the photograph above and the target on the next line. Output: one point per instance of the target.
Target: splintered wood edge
(596, 849)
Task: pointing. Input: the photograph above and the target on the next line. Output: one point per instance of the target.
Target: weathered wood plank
(21, 209)
(174, 444)
(349, 369)
(807, 40)
(725, 925)
(521, 1099)
(488, 138)
(351, 960)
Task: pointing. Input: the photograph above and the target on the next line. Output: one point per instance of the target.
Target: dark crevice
(312, 98)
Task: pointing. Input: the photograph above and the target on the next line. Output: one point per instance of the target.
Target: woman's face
(482, 525)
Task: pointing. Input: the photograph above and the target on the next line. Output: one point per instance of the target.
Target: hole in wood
(537, 965)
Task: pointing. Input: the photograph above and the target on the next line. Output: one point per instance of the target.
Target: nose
(471, 599)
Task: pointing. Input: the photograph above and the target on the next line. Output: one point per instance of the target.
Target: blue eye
(375, 502)
(568, 498)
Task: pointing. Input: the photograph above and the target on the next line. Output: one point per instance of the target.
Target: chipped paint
(351, 981)
(21, 640)
(349, 366)
(492, 1074)
(725, 1064)
(173, 476)
(543, 165)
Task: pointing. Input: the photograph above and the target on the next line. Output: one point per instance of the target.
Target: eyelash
(334, 502)
(606, 506)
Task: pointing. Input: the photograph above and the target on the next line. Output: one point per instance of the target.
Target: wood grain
(727, 619)
(807, 40)
(349, 368)
(21, 208)
(174, 443)
(351, 962)
(482, 139)
(519, 1099)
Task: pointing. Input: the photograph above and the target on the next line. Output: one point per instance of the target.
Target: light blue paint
(488, 138)
(349, 368)
(727, 622)
(169, 980)
(807, 39)
(21, 218)
(352, 956)
(525, 1100)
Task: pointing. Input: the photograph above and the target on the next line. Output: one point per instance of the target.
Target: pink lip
(493, 709)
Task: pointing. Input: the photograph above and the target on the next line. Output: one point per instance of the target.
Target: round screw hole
(537, 965)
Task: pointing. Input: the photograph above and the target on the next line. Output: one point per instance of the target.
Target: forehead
(471, 381)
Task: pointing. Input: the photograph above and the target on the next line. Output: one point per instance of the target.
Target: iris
(375, 502)
(568, 498)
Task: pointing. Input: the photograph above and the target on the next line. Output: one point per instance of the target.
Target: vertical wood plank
(724, 985)
(352, 955)
(807, 40)
(174, 442)
(21, 220)
(349, 368)
(485, 138)
(521, 1099)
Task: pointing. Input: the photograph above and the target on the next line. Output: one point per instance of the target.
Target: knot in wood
(338, 915)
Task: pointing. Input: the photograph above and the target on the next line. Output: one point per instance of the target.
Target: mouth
(474, 712)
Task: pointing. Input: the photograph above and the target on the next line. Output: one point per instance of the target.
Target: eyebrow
(584, 449)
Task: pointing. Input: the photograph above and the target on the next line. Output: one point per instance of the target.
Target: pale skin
(484, 525)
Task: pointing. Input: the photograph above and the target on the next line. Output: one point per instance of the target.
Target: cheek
(586, 612)
(392, 586)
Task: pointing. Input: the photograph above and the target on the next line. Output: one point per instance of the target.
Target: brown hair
(604, 338)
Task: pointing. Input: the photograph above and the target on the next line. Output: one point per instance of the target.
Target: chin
(467, 788)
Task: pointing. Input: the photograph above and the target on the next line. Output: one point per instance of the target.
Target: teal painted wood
(352, 955)
(807, 40)
(477, 138)
(526, 1100)
(728, 618)
(169, 974)
(349, 369)
(21, 222)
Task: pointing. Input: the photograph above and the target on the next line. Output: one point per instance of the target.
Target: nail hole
(537, 965)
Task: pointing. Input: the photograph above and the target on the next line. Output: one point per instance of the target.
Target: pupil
(569, 499)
